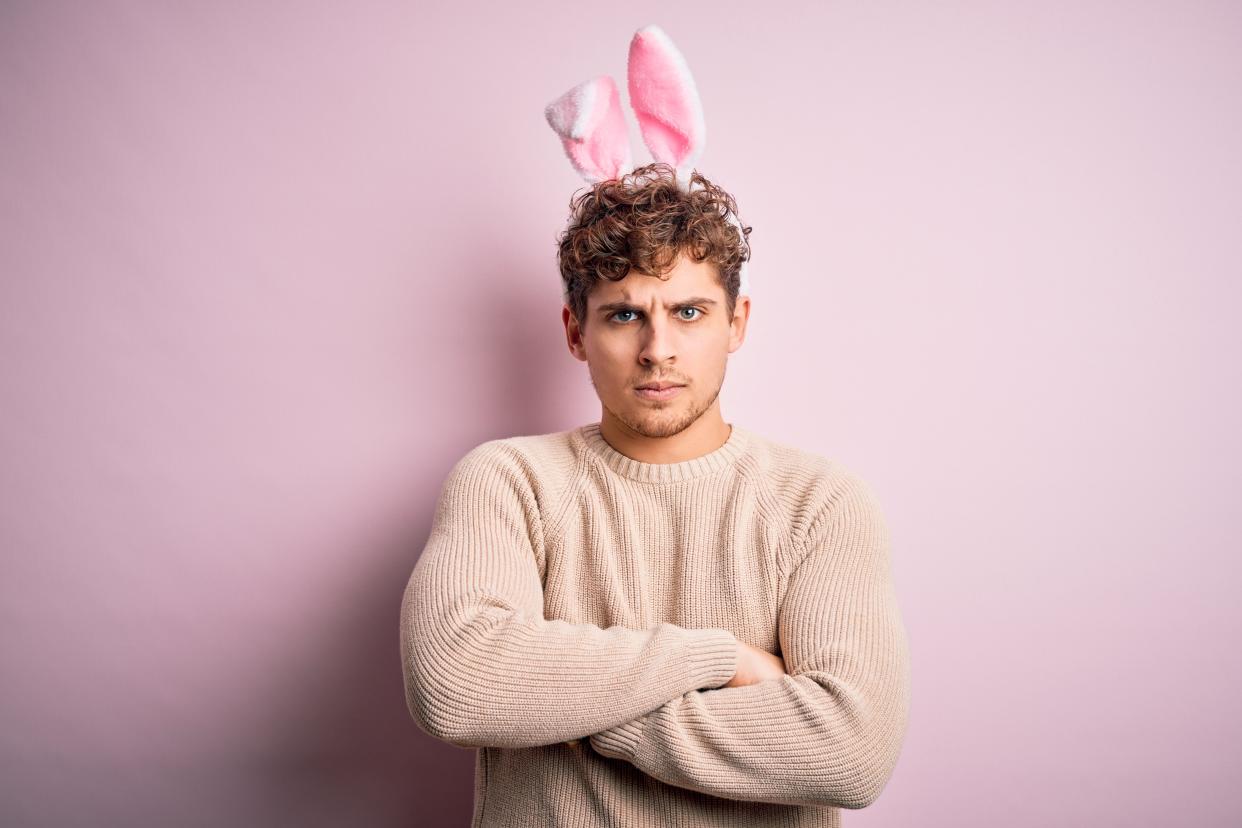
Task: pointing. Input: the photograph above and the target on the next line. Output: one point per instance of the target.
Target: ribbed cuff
(713, 657)
(620, 742)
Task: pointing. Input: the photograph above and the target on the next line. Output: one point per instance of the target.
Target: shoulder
(531, 467)
(537, 456)
(809, 488)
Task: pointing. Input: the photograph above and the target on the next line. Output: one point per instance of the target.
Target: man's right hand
(755, 665)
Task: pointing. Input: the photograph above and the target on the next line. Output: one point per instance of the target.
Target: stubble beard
(658, 422)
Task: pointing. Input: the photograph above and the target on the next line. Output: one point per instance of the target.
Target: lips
(658, 391)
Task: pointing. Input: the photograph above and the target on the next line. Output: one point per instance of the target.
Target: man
(660, 618)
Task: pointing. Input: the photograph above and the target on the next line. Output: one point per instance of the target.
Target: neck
(706, 434)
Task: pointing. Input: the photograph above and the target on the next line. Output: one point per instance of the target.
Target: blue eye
(697, 311)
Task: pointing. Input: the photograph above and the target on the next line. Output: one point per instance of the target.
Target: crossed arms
(483, 667)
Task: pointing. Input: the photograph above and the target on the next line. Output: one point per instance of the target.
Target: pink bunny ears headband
(591, 124)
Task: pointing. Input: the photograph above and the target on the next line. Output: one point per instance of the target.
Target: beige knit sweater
(568, 591)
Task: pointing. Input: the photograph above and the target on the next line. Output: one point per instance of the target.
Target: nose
(658, 343)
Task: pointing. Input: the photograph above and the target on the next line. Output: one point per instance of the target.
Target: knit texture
(575, 614)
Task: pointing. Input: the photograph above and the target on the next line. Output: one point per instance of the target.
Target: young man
(660, 618)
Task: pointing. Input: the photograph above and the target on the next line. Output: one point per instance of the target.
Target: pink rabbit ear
(589, 120)
(664, 97)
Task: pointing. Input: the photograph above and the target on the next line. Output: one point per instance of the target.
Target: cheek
(607, 366)
(610, 352)
(707, 354)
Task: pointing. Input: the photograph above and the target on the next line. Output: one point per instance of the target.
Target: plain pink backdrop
(267, 270)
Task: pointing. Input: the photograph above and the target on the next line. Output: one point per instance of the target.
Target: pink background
(268, 270)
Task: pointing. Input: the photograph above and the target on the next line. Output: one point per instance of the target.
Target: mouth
(658, 391)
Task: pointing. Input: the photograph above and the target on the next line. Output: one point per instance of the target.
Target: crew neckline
(723, 457)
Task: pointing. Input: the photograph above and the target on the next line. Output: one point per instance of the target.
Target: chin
(661, 419)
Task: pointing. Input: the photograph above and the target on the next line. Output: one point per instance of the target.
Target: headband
(592, 127)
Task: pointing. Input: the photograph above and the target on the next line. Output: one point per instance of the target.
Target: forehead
(686, 278)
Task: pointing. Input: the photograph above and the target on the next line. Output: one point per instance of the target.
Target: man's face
(644, 330)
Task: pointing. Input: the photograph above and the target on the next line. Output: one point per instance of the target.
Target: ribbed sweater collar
(721, 458)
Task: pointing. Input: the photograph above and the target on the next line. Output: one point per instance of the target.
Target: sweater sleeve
(483, 667)
(829, 732)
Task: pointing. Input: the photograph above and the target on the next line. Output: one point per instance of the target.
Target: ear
(666, 101)
(591, 125)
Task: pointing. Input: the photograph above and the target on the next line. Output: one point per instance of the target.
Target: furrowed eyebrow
(613, 307)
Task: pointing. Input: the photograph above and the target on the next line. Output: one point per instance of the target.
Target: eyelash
(688, 307)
